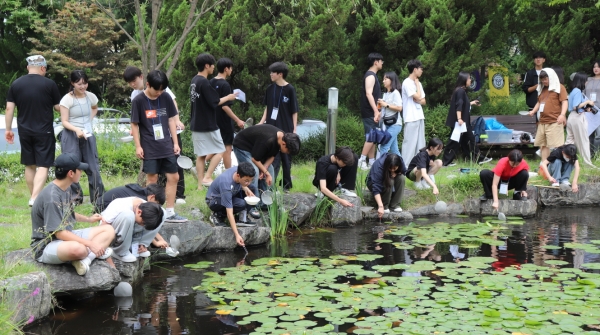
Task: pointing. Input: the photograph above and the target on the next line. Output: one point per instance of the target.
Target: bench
(523, 123)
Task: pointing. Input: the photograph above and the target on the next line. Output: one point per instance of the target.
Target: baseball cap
(68, 161)
(36, 60)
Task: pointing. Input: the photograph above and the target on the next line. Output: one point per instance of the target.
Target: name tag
(504, 188)
(541, 110)
(274, 113)
(151, 114)
(87, 130)
(158, 131)
(593, 97)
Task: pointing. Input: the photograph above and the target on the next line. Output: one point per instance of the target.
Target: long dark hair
(579, 81)
(395, 82)
(434, 142)
(390, 161)
(461, 80)
(76, 76)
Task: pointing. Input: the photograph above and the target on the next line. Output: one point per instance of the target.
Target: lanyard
(157, 108)
(81, 108)
(274, 93)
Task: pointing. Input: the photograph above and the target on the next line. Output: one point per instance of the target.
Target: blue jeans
(392, 145)
(245, 156)
(560, 171)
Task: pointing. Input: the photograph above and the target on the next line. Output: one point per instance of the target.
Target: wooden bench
(524, 123)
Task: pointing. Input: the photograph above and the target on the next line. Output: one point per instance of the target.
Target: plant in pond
(321, 214)
(278, 215)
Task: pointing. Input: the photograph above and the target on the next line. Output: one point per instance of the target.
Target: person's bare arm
(562, 118)
(8, 119)
(64, 118)
(173, 130)
(264, 117)
(323, 188)
(495, 183)
(295, 121)
(574, 186)
(135, 132)
(418, 97)
(238, 238)
(234, 117)
(369, 84)
(544, 167)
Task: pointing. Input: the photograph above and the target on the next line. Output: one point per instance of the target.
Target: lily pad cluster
(344, 294)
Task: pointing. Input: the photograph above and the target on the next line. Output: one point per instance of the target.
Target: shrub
(11, 170)
(312, 148)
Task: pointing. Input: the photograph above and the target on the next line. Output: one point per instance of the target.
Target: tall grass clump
(278, 216)
(321, 214)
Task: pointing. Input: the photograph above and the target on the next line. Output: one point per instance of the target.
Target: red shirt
(505, 171)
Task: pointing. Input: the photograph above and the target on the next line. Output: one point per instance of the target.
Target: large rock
(132, 272)
(223, 238)
(346, 216)
(370, 214)
(526, 208)
(299, 206)
(64, 279)
(369, 200)
(451, 209)
(588, 195)
(29, 295)
(193, 235)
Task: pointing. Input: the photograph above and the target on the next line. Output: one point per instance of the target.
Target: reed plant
(278, 215)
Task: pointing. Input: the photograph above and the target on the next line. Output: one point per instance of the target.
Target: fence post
(332, 108)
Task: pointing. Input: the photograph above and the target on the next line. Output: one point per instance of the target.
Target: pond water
(166, 303)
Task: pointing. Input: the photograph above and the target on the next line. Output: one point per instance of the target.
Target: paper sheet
(593, 122)
(241, 95)
(457, 131)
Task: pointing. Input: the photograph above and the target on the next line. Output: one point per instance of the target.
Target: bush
(11, 170)
(116, 157)
(312, 148)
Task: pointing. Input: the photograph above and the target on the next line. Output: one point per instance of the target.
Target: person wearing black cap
(53, 239)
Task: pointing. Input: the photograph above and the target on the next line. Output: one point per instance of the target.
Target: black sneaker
(254, 213)
(484, 198)
(246, 224)
(217, 221)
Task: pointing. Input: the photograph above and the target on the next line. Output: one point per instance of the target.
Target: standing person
(386, 181)
(259, 145)
(511, 172)
(337, 171)
(153, 125)
(424, 165)
(53, 239)
(559, 165)
(552, 105)
(77, 111)
(205, 132)
(369, 94)
(391, 106)
(592, 91)
(460, 111)
(225, 198)
(135, 79)
(413, 100)
(281, 112)
(530, 83)
(225, 116)
(577, 123)
(35, 96)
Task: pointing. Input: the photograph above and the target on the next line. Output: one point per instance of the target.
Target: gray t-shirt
(80, 109)
(52, 211)
(592, 90)
(224, 187)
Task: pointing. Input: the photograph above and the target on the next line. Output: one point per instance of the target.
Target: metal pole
(332, 107)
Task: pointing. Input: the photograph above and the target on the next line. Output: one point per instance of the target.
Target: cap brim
(83, 166)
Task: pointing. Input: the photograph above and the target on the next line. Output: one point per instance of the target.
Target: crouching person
(52, 217)
(152, 193)
(386, 180)
(337, 171)
(511, 172)
(135, 221)
(225, 198)
(559, 165)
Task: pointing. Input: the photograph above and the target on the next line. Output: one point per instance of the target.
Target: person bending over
(337, 171)
(386, 181)
(424, 166)
(152, 192)
(511, 172)
(559, 165)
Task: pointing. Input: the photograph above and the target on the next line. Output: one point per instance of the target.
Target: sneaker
(419, 185)
(386, 211)
(31, 201)
(425, 184)
(176, 218)
(485, 160)
(451, 164)
(319, 195)
(348, 193)
(254, 213)
(566, 182)
(81, 267)
(398, 209)
(363, 165)
(555, 185)
(246, 224)
(216, 220)
(432, 177)
(144, 254)
(107, 253)
(484, 198)
(127, 258)
(180, 201)
(539, 152)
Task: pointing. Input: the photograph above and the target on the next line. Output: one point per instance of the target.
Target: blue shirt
(224, 187)
(575, 98)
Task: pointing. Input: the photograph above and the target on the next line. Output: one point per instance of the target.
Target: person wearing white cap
(35, 96)
(53, 239)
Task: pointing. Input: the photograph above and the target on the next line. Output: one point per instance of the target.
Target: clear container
(499, 136)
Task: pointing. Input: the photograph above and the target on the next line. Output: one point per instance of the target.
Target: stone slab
(223, 238)
(526, 208)
(369, 200)
(299, 207)
(193, 235)
(370, 214)
(29, 294)
(346, 216)
(429, 210)
(588, 195)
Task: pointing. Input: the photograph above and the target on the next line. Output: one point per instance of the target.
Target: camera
(593, 109)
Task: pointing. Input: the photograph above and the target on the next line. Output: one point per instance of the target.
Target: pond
(519, 278)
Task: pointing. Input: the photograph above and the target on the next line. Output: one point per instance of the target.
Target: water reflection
(165, 302)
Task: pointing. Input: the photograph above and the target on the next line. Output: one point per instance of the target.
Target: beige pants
(577, 126)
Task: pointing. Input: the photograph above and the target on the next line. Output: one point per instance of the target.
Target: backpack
(478, 128)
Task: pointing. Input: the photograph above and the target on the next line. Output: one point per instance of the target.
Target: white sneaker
(319, 195)
(107, 253)
(144, 254)
(555, 185)
(425, 184)
(363, 165)
(348, 193)
(432, 177)
(128, 258)
(180, 201)
(539, 152)
(566, 182)
(418, 185)
(398, 209)
(81, 267)
(31, 201)
(485, 160)
(386, 211)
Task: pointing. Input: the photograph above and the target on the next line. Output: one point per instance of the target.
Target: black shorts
(160, 165)
(368, 124)
(38, 150)
(226, 136)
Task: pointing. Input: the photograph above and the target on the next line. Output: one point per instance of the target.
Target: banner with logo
(498, 78)
(475, 81)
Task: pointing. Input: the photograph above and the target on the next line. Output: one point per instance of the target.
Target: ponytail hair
(76, 76)
(434, 143)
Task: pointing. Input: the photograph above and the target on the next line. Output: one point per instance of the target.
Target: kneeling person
(225, 197)
(386, 181)
(337, 171)
(559, 165)
(134, 221)
(152, 193)
(52, 217)
(424, 166)
(511, 172)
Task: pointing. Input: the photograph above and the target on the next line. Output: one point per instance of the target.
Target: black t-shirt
(146, 113)
(129, 190)
(558, 154)
(283, 98)
(365, 107)
(224, 122)
(260, 141)
(35, 96)
(421, 160)
(205, 103)
(321, 170)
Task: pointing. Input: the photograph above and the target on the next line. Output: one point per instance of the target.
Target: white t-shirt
(135, 93)
(395, 99)
(116, 207)
(80, 109)
(411, 110)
